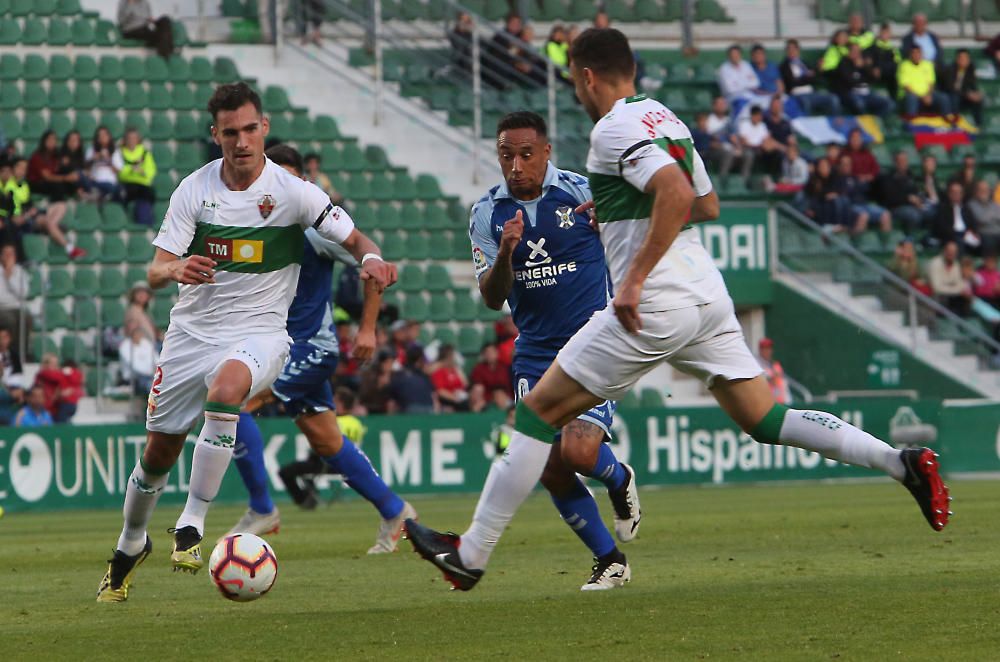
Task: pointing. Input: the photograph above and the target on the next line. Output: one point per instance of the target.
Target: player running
(670, 304)
(232, 238)
(531, 249)
(304, 389)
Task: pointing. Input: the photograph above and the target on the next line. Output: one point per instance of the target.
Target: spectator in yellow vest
(834, 52)
(857, 33)
(917, 85)
(26, 217)
(136, 170)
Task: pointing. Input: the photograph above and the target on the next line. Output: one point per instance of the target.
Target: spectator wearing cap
(799, 81)
(773, 371)
(137, 314)
(411, 388)
(493, 376)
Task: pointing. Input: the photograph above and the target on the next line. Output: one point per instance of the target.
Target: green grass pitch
(803, 572)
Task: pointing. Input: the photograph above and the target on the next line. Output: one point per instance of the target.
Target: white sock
(508, 484)
(838, 440)
(69, 247)
(211, 459)
(141, 494)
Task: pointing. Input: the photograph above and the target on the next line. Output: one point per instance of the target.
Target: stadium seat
(186, 127)
(89, 243)
(58, 284)
(443, 335)
(69, 8)
(387, 217)
(394, 246)
(111, 283)
(326, 128)
(36, 249)
(11, 67)
(137, 120)
(72, 346)
(178, 70)
(302, 127)
(411, 278)
(436, 217)
(10, 96)
(461, 248)
(111, 312)
(281, 127)
(54, 316)
(470, 340)
(189, 158)
(161, 128)
(85, 96)
(441, 308)
(156, 70)
(59, 98)
(82, 32)
(33, 127)
(110, 98)
(140, 248)
(163, 155)
(437, 278)
(42, 345)
(60, 68)
(412, 217)
(34, 32)
(86, 219)
(414, 307)
(200, 70)
(466, 308)
(19, 8)
(418, 246)
(275, 99)
(60, 32)
(403, 187)
(35, 67)
(134, 97)
(35, 97)
(85, 123)
(225, 70)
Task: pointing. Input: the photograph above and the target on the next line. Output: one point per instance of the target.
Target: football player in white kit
(232, 238)
(670, 305)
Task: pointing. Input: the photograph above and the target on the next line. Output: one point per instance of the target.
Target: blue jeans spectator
(871, 103)
(911, 218)
(939, 102)
(819, 103)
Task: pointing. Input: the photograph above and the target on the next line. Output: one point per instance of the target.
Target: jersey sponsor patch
(479, 261)
(235, 250)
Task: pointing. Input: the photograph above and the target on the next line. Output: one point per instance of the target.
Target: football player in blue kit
(304, 389)
(531, 249)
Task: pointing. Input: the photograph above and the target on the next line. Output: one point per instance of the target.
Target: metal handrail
(916, 297)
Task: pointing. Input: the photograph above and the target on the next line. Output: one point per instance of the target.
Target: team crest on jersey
(565, 216)
(266, 205)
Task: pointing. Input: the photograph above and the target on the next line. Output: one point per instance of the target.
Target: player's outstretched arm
(672, 199)
(167, 267)
(705, 208)
(365, 340)
(369, 256)
(495, 284)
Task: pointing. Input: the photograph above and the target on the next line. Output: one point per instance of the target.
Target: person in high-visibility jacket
(24, 216)
(136, 170)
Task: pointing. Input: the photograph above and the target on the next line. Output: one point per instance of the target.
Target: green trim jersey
(256, 237)
(627, 147)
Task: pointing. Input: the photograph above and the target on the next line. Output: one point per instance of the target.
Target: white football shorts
(704, 341)
(188, 366)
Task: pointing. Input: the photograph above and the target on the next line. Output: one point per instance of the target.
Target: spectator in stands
(864, 165)
(137, 314)
(834, 53)
(313, 12)
(33, 414)
(724, 146)
(985, 212)
(137, 357)
(450, 385)
(10, 354)
(885, 58)
(832, 153)
(493, 376)
(460, 39)
(602, 20)
(929, 189)
(102, 174)
(777, 124)
(799, 80)
(737, 79)
(821, 197)
(135, 20)
(528, 63)
(9, 405)
(960, 83)
(136, 170)
(992, 51)
(898, 192)
(987, 282)
(45, 173)
(852, 81)
(70, 392)
(318, 177)
(858, 33)
(14, 284)
(768, 76)
(967, 176)
(72, 161)
(61, 387)
(906, 265)
(928, 42)
(499, 53)
(794, 171)
(917, 86)
(411, 388)
(954, 223)
(863, 211)
(773, 371)
(757, 143)
(557, 46)
(506, 333)
(29, 217)
(374, 382)
(944, 273)
(700, 136)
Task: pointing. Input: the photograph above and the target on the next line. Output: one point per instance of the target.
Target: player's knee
(580, 457)
(557, 479)
(227, 393)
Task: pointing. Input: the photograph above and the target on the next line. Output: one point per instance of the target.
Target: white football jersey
(256, 236)
(627, 146)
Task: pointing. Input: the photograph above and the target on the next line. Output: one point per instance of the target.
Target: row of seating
(86, 30)
(128, 68)
(901, 11)
(86, 282)
(458, 306)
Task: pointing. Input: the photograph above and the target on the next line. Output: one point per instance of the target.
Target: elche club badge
(565, 216)
(266, 205)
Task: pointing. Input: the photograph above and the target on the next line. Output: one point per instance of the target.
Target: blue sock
(249, 457)
(579, 511)
(359, 473)
(607, 469)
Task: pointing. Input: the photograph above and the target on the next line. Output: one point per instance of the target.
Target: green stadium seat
(156, 70)
(200, 70)
(82, 32)
(441, 308)
(415, 308)
(133, 68)
(10, 96)
(281, 127)
(403, 187)
(647, 10)
(427, 187)
(85, 283)
(359, 187)
(161, 128)
(42, 345)
(35, 97)
(86, 124)
(461, 248)
(411, 278)
(412, 216)
(60, 33)
(186, 127)
(437, 278)
(43, 7)
(352, 158)
(33, 127)
(394, 246)
(36, 248)
(326, 128)
(21, 7)
(111, 283)
(140, 248)
(10, 125)
(60, 97)
(34, 32)
(60, 68)
(443, 335)
(135, 274)
(59, 283)
(419, 246)
(466, 307)
(159, 97)
(85, 96)
(110, 98)
(109, 68)
(163, 185)
(381, 187)
(302, 128)
(137, 120)
(178, 70)
(135, 97)
(182, 98)
(189, 158)
(72, 346)
(35, 67)
(436, 217)
(163, 155)
(275, 99)
(225, 70)
(11, 67)
(651, 398)
(470, 340)
(69, 8)
(113, 218)
(86, 219)
(389, 218)
(112, 312)
(89, 243)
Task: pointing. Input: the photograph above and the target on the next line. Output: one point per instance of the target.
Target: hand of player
(626, 305)
(194, 270)
(383, 273)
(589, 208)
(513, 230)
(364, 345)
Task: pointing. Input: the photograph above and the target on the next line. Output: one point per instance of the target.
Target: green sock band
(220, 408)
(768, 431)
(150, 471)
(529, 423)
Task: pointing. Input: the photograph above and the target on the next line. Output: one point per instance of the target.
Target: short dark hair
(232, 96)
(523, 119)
(346, 397)
(792, 41)
(605, 51)
(757, 47)
(285, 155)
(961, 50)
(756, 110)
(309, 156)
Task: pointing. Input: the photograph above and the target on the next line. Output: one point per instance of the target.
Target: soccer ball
(243, 567)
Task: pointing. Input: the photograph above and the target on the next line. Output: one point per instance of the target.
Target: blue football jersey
(560, 275)
(310, 318)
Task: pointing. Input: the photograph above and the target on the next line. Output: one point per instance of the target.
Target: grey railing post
(777, 18)
(477, 104)
(687, 19)
(911, 301)
(377, 39)
(550, 75)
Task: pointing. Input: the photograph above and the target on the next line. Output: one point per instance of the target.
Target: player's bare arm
(705, 208)
(672, 199)
(369, 257)
(364, 341)
(167, 267)
(496, 283)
